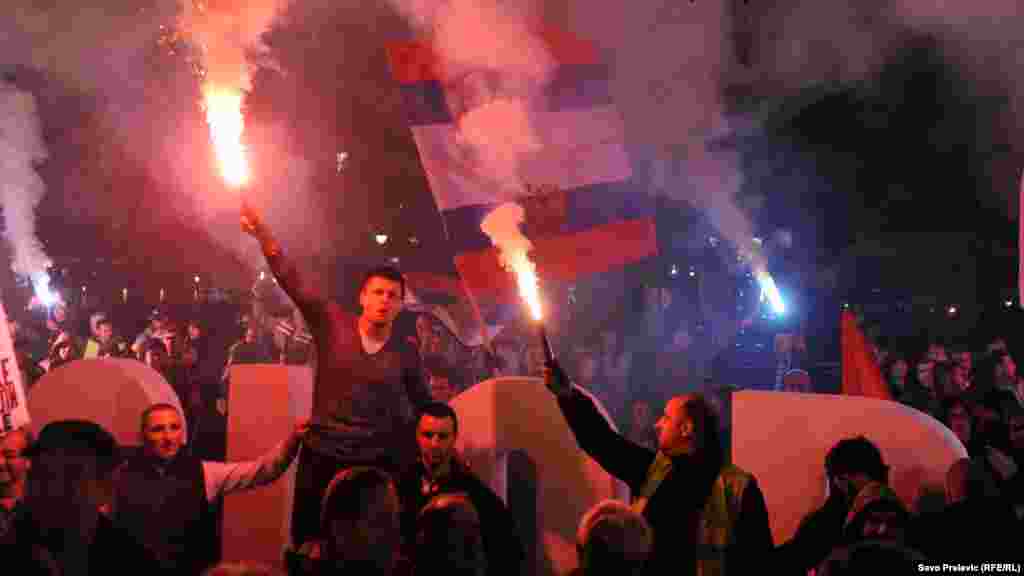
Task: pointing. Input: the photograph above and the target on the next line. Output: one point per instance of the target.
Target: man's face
(13, 464)
(436, 439)
(104, 332)
(163, 435)
(441, 389)
(960, 377)
(899, 369)
(925, 371)
(964, 359)
(960, 423)
(1007, 369)
(675, 428)
(937, 353)
(381, 300)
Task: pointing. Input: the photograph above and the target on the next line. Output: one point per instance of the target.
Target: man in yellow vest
(709, 518)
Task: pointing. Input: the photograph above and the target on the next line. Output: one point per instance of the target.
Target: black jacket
(674, 510)
(501, 538)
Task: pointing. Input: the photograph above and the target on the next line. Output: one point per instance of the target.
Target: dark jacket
(675, 509)
(819, 532)
(502, 541)
(166, 510)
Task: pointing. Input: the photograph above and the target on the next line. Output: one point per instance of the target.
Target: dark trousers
(314, 474)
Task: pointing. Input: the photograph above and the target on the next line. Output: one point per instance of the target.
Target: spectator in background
(439, 382)
(850, 466)
(449, 539)
(103, 343)
(956, 415)
(895, 374)
(159, 323)
(613, 539)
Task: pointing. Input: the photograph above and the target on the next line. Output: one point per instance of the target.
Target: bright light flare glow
(526, 278)
(41, 286)
(770, 292)
(223, 108)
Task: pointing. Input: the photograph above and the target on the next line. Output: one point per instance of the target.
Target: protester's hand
(222, 406)
(251, 222)
(556, 379)
(301, 431)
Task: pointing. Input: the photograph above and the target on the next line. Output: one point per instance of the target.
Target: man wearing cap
(64, 525)
(164, 496)
(159, 328)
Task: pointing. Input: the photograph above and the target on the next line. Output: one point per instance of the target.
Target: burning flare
(224, 115)
(502, 226)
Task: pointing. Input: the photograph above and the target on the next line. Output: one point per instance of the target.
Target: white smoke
(495, 61)
(21, 188)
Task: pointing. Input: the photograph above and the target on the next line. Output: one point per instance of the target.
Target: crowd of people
(381, 489)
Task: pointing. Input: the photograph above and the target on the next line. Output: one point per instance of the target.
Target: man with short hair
(708, 517)
(367, 383)
(164, 496)
(850, 465)
(440, 471)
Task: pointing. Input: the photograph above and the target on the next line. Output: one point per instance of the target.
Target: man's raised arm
(309, 299)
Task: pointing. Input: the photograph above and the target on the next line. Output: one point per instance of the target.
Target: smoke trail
(21, 188)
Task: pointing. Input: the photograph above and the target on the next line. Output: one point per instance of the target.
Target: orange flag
(861, 375)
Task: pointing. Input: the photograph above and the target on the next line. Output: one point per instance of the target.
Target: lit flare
(526, 278)
(223, 108)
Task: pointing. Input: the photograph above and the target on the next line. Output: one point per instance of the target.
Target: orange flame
(224, 115)
(526, 278)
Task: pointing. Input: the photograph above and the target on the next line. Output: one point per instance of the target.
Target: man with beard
(165, 497)
(367, 382)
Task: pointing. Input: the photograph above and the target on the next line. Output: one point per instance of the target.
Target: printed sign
(13, 401)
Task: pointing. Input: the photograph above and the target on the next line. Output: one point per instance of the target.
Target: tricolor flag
(583, 215)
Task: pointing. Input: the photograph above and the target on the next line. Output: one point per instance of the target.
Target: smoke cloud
(21, 188)
(226, 32)
(496, 67)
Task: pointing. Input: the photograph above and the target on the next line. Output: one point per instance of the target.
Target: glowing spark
(770, 291)
(224, 115)
(526, 278)
(41, 286)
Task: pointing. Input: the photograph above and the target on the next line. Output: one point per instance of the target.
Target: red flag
(861, 375)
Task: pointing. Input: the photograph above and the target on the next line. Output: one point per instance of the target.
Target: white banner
(13, 401)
